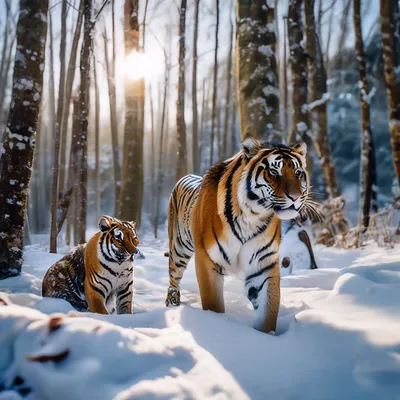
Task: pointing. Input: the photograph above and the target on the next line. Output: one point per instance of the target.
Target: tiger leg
(265, 297)
(124, 299)
(95, 300)
(178, 260)
(211, 282)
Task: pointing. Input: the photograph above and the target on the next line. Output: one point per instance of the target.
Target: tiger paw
(173, 297)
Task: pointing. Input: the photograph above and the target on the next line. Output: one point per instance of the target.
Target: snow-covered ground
(338, 335)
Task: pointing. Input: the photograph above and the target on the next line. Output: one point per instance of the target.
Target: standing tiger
(230, 220)
(97, 276)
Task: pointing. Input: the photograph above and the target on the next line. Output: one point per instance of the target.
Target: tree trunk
(343, 30)
(3, 83)
(132, 170)
(181, 162)
(319, 98)
(204, 105)
(69, 82)
(152, 153)
(366, 134)
(329, 36)
(391, 57)
(228, 96)
(97, 139)
(300, 116)
(285, 82)
(257, 74)
(19, 136)
(110, 68)
(195, 128)
(84, 91)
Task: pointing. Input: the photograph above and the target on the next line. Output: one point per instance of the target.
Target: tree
(181, 162)
(19, 136)
(257, 75)
(214, 95)
(366, 134)
(389, 9)
(195, 127)
(81, 152)
(298, 63)
(132, 169)
(319, 98)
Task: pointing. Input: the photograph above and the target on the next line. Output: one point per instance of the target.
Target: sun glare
(139, 65)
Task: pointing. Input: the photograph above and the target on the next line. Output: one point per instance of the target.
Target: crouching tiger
(97, 276)
(230, 220)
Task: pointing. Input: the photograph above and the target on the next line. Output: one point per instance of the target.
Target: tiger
(230, 221)
(97, 276)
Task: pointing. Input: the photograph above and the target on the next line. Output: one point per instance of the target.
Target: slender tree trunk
(3, 83)
(389, 9)
(181, 162)
(81, 177)
(7, 64)
(228, 96)
(97, 139)
(319, 98)
(257, 74)
(132, 170)
(285, 81)
(344, 25)
(110, 67)
(300, 116)
(204, 106)
(69, 82)
(19, 136)
(57, 133)
(152, 153)
(329, 36)
(195, 128)
(366, 134)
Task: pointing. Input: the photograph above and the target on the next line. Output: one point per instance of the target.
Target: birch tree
(181, 162)
(195, 127)
(256, 69)
(366, 134)
(20, 132)
(390, 29)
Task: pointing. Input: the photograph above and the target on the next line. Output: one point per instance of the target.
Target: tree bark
(181, 162)
(84, 91)
(228, 96)
(300, 116)
(319, 98)
(110, 67)
(285, 81)
(3, 83)
(257, 74)
(195, 127)
(132, 170)
(366, 134)
(391, 57)
(19, 136)
(97, 139)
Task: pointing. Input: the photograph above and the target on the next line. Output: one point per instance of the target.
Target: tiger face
(120, 237)
(275, 178)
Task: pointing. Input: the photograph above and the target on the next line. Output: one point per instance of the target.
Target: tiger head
(120, 237)
(275, 178)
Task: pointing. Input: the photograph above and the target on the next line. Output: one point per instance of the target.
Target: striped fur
(97, 276)
(230, 220)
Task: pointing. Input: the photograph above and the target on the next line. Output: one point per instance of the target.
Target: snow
(337, 335)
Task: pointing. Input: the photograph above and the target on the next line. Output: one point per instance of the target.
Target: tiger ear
(251, 147)
(105, 223)
(300, 148)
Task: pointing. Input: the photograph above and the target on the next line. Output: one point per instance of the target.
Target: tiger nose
(293, 197)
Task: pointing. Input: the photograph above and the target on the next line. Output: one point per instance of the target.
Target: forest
(106, 104)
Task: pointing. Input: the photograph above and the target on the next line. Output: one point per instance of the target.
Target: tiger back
(230, 220)
(97, 276)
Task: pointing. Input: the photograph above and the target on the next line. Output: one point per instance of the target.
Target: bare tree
(389, 9)
(19, 136)
(81, 153)
(228, 96)
(97, 139)
(285, 80)
(319, 98)
(366, 134)
(195, 127)
(214, 93)
(132, 169)
(256, 69)
(181, 162)
(110, 67)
